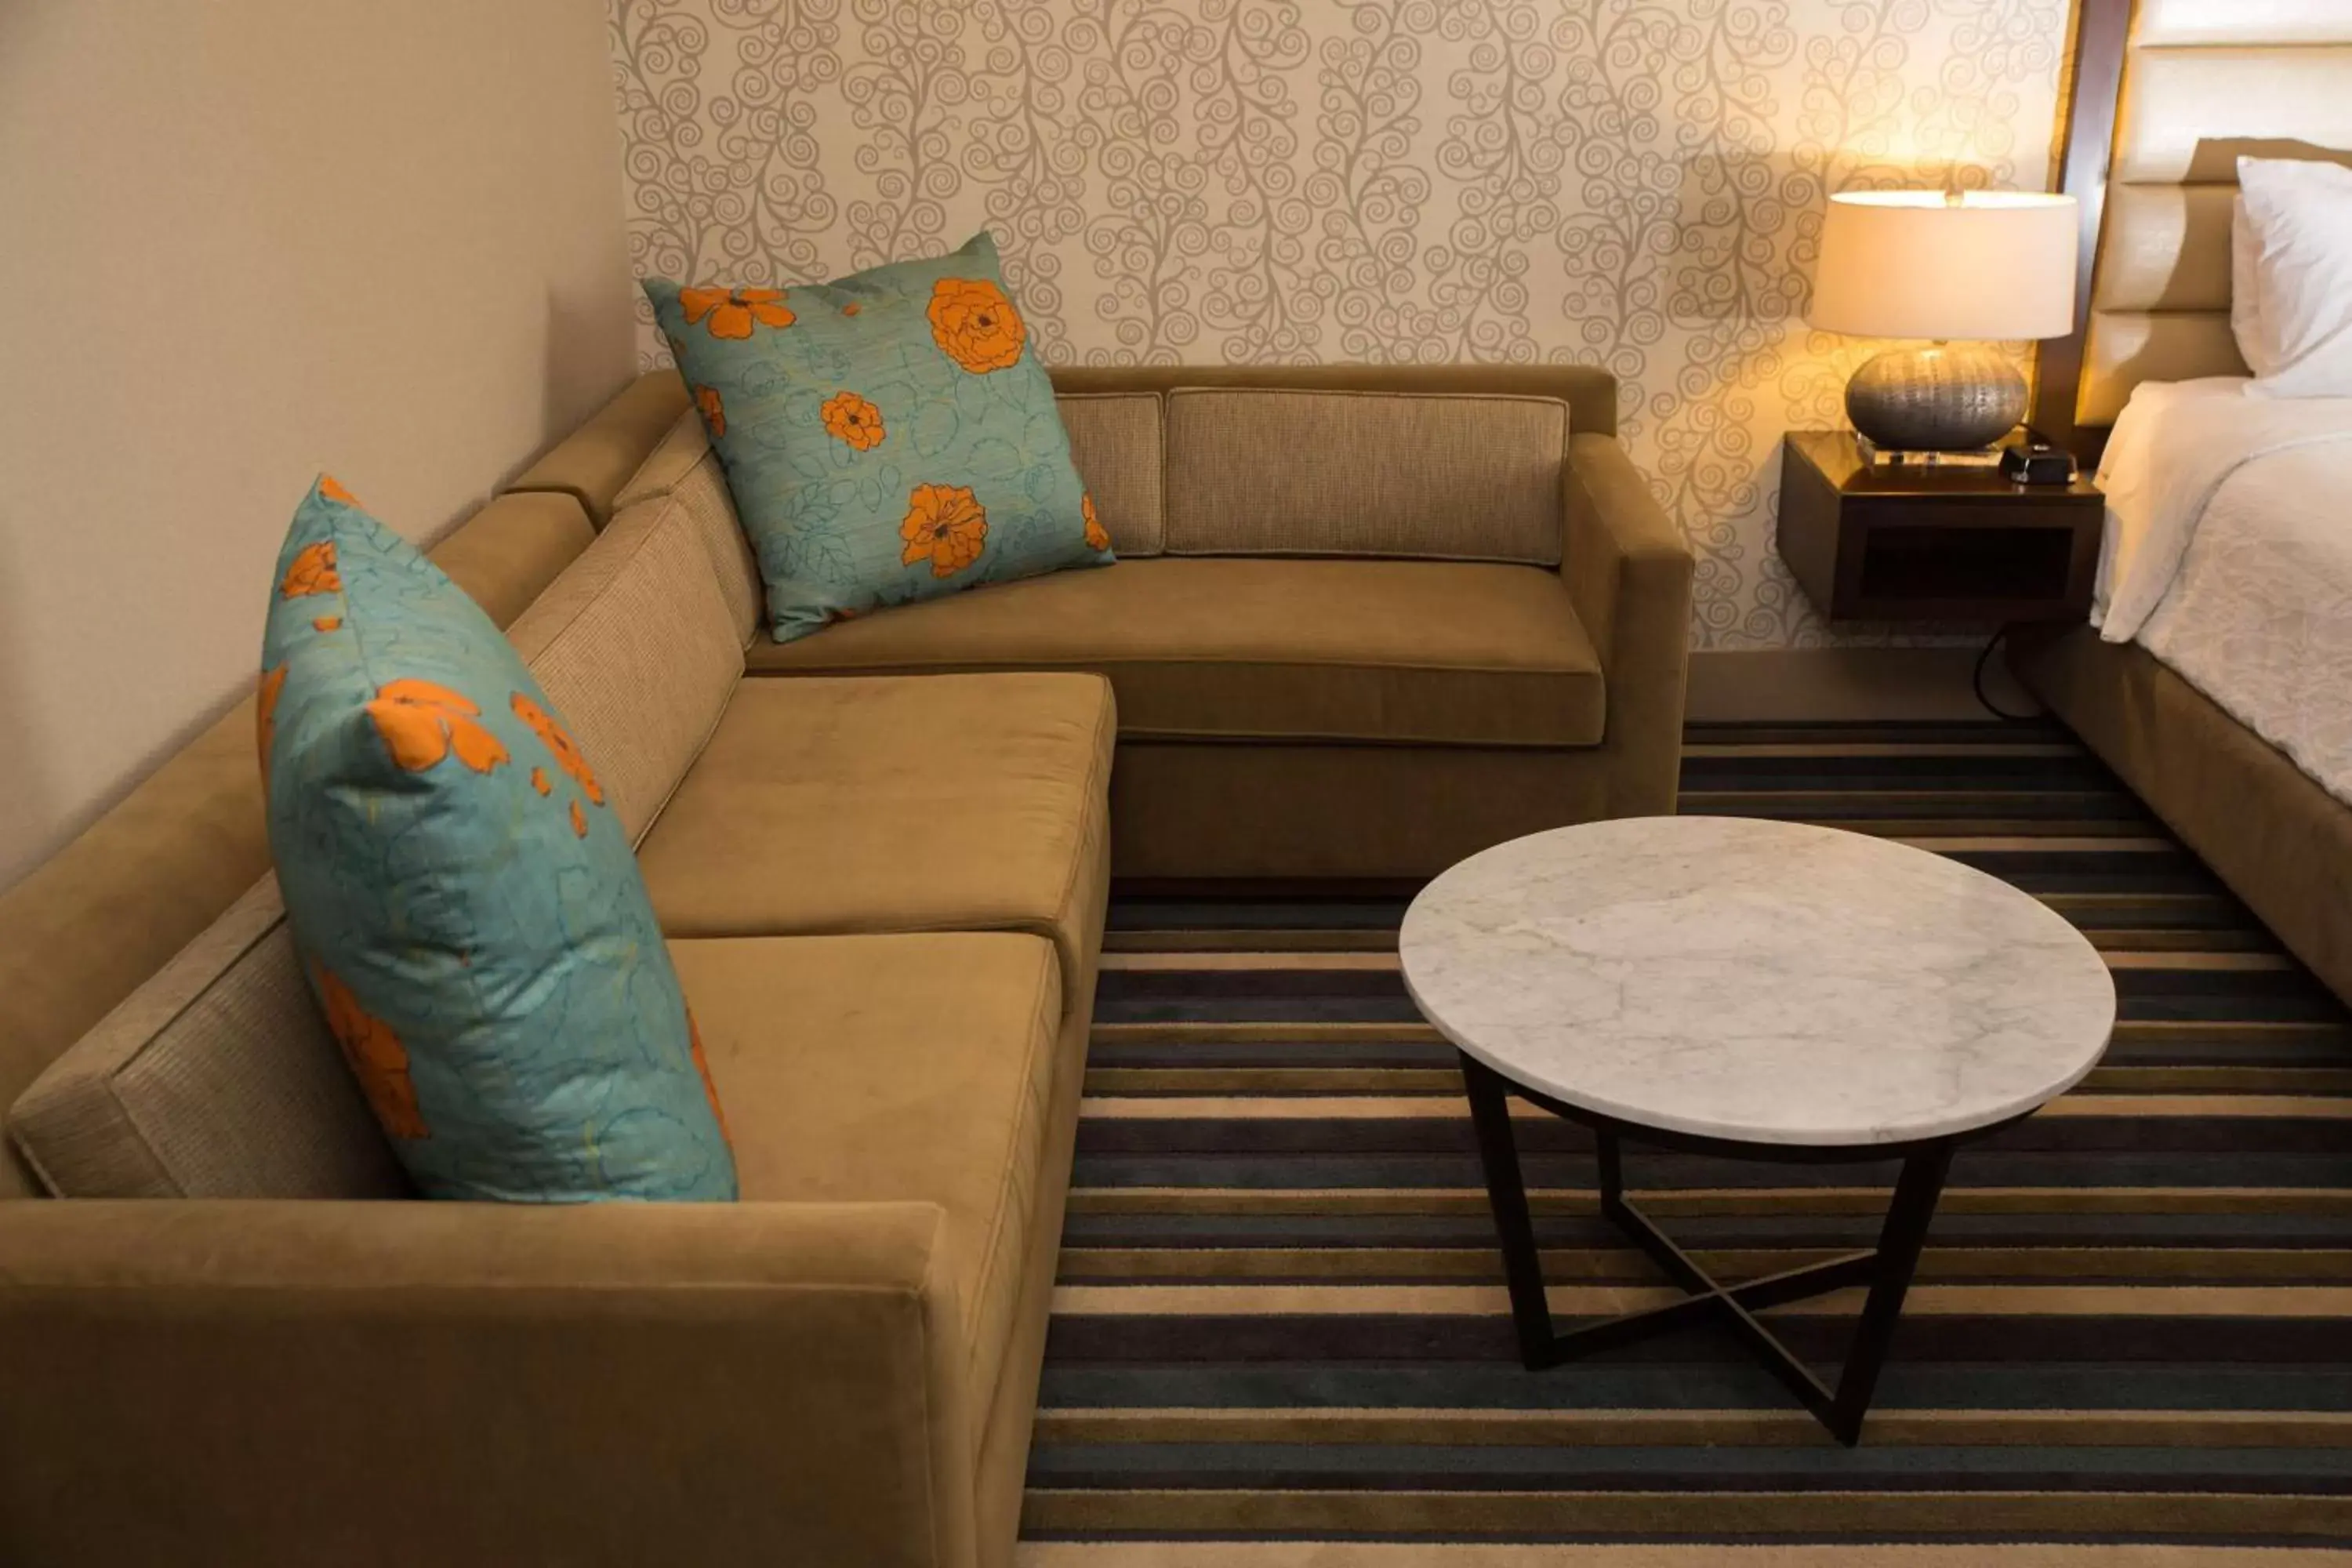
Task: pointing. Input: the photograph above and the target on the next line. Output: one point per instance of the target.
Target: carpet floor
(1280, 1337)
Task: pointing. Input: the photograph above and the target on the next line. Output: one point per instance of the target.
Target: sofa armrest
(248, 1383)
(1628, 570)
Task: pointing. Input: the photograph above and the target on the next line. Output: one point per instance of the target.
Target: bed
(2217, 677)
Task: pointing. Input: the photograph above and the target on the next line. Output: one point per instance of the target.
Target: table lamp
(1959, 271)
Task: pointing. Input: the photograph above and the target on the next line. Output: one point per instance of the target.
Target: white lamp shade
(1993, 265)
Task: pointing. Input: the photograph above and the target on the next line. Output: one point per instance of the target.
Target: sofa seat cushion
(880, 1069)
(1423, 652)
(961, 802)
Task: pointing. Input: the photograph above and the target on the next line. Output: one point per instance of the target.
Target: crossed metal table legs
(1887, 1268)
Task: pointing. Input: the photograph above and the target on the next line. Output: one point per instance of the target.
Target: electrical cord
(1977, 680)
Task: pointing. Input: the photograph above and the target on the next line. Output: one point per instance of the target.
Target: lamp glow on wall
(1958, 271)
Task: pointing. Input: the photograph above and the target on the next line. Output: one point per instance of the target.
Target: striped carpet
(1280, 1319)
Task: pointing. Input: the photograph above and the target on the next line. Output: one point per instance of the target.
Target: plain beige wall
(242, 241)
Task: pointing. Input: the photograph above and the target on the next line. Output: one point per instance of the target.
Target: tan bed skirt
(2280, 842)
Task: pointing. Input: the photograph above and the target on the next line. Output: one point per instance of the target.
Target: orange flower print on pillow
(378, 1060)
(714, 412)
(331, 487)
(702, 1065)
(560, 746)
(265, 716)
(975, 325)
(850, 418)
(312, 572)
(422, 723)
(945, 526)
(1098, 537)
(732, 313)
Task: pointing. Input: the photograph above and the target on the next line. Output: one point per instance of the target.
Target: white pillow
(2292, 284)
(2245, 290)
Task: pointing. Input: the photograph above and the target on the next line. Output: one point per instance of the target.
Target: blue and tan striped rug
(1281, 1322)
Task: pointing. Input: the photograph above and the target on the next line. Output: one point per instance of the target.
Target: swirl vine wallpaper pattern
(1636, 184)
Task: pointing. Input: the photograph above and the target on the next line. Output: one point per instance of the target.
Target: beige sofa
(1367, 619)
(886, 898)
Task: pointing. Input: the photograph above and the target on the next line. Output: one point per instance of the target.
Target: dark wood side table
(1928, 543)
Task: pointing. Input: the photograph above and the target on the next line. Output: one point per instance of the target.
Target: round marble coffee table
(1759, 990)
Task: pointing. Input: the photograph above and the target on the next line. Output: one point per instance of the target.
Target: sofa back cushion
(1449, 477)
(697, 487)
(216, 1078)
(87, 927)
(1115, 441)
(686, 443)
(637, 646)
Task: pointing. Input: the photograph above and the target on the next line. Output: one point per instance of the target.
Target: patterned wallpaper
(1633, 183)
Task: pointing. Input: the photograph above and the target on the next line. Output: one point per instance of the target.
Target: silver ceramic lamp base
(1935, 399)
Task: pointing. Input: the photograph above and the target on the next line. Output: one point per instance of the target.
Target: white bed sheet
(2228, 556)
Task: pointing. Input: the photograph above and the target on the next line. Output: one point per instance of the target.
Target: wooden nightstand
(1932, 543)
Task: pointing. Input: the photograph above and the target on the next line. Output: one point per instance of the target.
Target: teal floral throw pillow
(469, 911)
(887, 438)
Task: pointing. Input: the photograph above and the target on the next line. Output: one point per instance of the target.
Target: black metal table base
(1887, 1268)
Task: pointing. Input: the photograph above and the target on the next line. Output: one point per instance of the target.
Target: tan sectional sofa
(1366, 620)
(885, 897)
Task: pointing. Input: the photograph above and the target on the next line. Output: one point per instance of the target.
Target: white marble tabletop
(1765, 982)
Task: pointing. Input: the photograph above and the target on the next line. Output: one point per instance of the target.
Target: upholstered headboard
(2169, 95)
